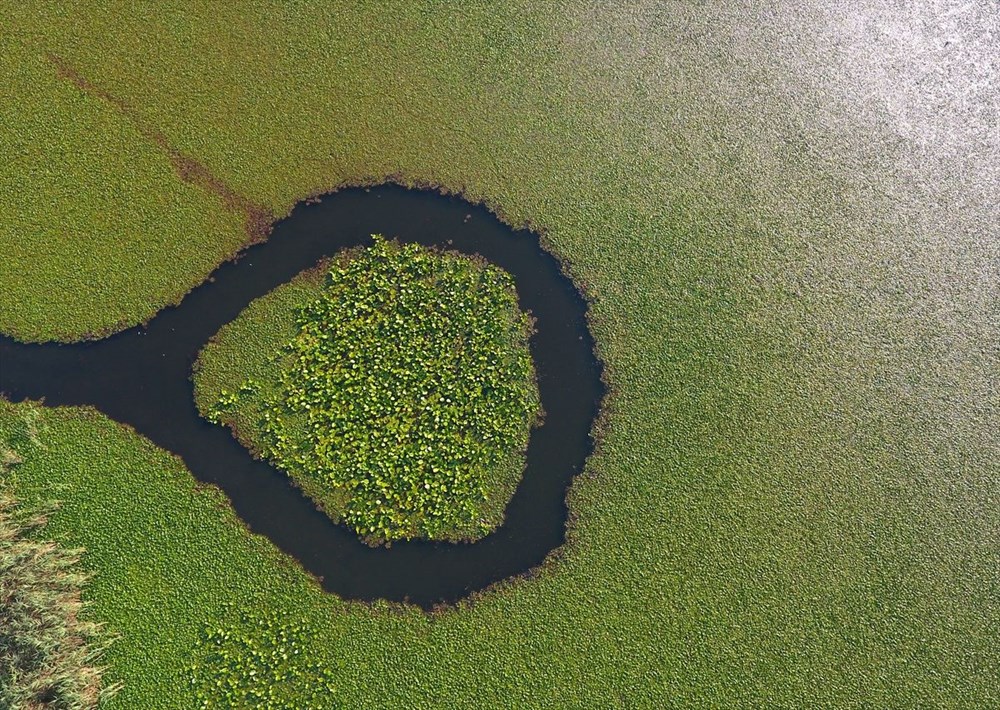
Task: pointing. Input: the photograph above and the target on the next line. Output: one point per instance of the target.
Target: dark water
(142, 377)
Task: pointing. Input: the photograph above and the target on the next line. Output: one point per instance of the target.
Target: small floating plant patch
(398, 389)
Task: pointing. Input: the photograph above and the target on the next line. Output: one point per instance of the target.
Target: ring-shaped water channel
(141, 377)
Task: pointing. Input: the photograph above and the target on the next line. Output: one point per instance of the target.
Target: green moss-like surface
(785, 224)
(401, 399)
(98, 230)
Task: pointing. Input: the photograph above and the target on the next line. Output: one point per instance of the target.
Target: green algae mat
(785, 221)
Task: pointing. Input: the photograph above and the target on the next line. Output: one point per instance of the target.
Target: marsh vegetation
(786, 232)
(50, 650)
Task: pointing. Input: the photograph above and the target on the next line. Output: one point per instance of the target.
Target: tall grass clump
(48, 654)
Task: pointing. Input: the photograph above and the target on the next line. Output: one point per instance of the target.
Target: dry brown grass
(49, 651)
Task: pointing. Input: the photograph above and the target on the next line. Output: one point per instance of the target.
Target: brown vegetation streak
(258, 219)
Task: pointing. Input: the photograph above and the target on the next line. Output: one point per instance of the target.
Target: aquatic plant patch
(263, 661)
(403, 402)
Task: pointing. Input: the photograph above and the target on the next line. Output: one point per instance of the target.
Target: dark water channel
(142, 377)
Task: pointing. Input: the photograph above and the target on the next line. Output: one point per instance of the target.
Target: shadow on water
(142, 377)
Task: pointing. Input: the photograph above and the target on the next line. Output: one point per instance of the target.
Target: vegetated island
(394, 384)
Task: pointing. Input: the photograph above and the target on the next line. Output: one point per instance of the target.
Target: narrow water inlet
(141, 377)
